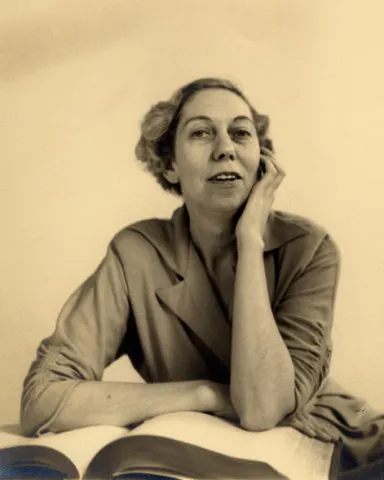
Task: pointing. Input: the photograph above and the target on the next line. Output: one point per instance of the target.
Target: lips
(224, 177)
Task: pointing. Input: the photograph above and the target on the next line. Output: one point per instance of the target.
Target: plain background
(76, 78)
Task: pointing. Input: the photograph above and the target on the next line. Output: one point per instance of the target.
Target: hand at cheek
(251, 224)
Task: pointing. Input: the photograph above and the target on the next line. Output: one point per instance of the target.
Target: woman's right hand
(251, 225)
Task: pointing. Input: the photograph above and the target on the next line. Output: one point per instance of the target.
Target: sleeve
(88, 333)
(305, 317)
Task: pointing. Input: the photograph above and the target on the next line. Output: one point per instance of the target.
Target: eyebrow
(204, 117)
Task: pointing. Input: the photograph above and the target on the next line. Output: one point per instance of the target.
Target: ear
(171, 174)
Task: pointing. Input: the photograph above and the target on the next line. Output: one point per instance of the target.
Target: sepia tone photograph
(192, 208)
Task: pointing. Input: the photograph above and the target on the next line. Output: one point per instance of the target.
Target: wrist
(208, 398)
(250, 243)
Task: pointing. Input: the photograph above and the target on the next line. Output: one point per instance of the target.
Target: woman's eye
(199, 133)
(241, 133)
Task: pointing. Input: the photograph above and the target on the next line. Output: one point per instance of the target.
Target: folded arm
(63, 389)
(280, 353)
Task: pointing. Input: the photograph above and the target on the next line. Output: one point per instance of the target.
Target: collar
(173, 241)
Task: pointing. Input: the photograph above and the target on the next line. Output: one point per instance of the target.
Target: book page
(79, 445)
(284, 448)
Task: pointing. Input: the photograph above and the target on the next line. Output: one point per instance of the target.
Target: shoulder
(144, 234)
(301, 224)
(149, 241)
(300, 236)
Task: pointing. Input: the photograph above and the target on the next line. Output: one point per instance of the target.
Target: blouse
(151, 298)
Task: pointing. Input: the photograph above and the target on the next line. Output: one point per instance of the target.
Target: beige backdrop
(76, 77)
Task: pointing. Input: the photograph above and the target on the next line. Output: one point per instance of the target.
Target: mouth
(223, 177)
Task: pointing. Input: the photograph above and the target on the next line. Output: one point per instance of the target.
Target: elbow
(41, 402)
(46, 388)
(28, 421)
(28, 424)
(258, 416)
(31, 417)
(253, 424)
(34, 406)
(253, 415)
(34, 414)
(256, 420)
(39, 412)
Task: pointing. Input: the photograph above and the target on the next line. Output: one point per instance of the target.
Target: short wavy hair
(155, 147)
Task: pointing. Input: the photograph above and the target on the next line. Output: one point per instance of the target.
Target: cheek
(252, 155)
(191, 160)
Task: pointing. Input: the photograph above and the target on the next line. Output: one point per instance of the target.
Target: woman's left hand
(251, 224)
(312, 427)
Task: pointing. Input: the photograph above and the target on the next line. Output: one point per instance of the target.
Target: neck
(213, 234)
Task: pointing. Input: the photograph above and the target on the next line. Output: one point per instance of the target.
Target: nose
(224, 149)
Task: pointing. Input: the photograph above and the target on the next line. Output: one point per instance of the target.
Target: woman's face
(216, 151)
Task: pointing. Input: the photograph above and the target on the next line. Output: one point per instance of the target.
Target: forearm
(262, 372)
(113, 403)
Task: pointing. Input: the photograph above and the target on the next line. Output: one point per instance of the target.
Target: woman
(226, 308)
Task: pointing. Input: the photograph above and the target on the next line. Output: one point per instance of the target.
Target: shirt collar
(172, 239)
(280, 229)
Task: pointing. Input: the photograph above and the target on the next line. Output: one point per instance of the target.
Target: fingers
(323, 432)
(299, 423)
(265, 152)
(272, 178)
(312, 428)
(274, 173)
(271, 156)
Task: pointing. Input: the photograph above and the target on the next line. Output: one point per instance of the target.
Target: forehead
(215, 104)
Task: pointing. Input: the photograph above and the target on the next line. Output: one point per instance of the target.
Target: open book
(176, 445)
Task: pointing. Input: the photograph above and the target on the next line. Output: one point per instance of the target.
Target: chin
(227, 206)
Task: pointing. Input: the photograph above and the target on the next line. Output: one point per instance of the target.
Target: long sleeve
(89, 331)
(305, 315)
